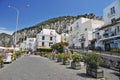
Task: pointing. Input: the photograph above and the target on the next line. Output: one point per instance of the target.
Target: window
(85, 29)
(70, 28)
(113, 20)
(77, 24)
(118, 28)
(112, 10)
(42, 43)
(43, 37)
(51, 38)
(50, 43)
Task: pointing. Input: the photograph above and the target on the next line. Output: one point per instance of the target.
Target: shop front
(112, 44)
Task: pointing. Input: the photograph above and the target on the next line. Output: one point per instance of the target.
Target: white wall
(106, 11)
(83, 23)
(47, 34)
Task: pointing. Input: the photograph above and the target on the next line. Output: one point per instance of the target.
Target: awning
(112, 37)
(39, 47)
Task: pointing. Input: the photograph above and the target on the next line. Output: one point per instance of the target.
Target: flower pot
(52, 58)
(97, 73)
(66, 62)
(59, 60)
(75, 65)
(1, 64)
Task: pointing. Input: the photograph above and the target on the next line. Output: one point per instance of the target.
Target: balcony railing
(82, 39)
(105, 35)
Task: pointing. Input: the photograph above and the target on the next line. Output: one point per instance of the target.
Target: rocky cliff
(5, 40)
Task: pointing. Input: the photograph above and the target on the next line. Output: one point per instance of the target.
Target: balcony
(99, 37)
(82, 39)
(111, 15)
(105, 35)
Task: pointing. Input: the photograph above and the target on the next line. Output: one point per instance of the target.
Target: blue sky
(35, 11)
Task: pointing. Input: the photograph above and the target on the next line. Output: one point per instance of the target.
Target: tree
(59, 46)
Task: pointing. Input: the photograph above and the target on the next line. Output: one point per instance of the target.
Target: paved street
(39, 68)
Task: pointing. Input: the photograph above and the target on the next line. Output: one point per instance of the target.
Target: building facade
(80, 32)
(108, 36)
(112, 12)
(29, 44)
(46, 38)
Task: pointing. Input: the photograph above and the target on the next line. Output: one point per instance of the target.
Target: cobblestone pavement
(39, 68)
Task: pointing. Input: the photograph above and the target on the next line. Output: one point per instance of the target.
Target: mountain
(59, 24)
(5, 40)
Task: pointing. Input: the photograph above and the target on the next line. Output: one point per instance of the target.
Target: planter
(53, 58)
(97, 73)
(59, 60)
(1, 64)
(75, 65)
(66, 62)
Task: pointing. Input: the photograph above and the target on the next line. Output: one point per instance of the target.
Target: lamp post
(17, 16)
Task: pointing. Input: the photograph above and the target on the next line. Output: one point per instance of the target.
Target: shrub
(1, 60)
(18, 53)
(59, 46)
(93, 60)
(76, 57)
(44, 49)
(59, 55)
(66, 56)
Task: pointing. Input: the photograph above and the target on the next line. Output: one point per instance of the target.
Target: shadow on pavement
(84, 75)
(116, 73)
(71, 68)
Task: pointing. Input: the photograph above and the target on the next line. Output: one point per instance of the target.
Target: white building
(108, 36)
(29, 44)
(23, 45)
(47, 37)
(112, 12)
(81, 32)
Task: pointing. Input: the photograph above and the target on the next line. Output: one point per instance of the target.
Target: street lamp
(17, 16)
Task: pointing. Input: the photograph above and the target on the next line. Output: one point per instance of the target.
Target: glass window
(112, 10)
(51, 38)
(50, 43)
(43, 37)
(113, 20)
(118, 28)
(42, 43)
(70, 28)
(77, 24)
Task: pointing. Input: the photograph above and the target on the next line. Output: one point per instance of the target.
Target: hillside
(59, 24)
(5, 40)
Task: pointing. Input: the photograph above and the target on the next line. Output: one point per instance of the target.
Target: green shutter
(85, 29)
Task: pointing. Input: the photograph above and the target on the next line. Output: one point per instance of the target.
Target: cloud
(6, 31)
(2, 28)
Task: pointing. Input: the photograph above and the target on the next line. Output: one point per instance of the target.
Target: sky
(32, 12)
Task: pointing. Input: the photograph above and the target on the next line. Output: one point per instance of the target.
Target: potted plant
(75, 64)
(53, 56)
(93, 62)
(59, 57)
(66, 59)
(1, 62)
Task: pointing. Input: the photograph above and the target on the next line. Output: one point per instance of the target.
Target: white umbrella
(2, 47)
